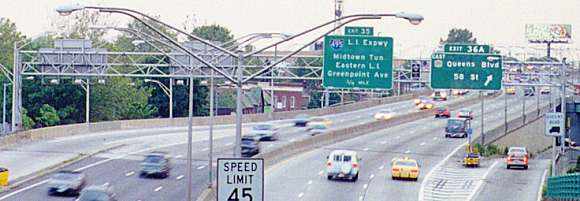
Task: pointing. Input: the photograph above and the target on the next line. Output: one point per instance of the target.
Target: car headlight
(417, 101)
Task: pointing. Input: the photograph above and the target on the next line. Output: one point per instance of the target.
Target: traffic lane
(513, 184)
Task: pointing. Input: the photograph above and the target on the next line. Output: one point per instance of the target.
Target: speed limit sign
(240, 179)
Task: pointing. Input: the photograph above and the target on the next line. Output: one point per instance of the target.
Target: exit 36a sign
(466, 48)
(466, 71)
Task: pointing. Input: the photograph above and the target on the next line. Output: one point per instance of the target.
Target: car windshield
(318, 126)
(263, 127)
(248, 141)
(455, 124)
(517, 150)
(153, 159)
(440, 109)
(406, 163)
(464, 111)
(94, 196)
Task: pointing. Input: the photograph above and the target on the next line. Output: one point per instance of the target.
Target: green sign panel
(359, 31)
(466, 48)
(358, 62)
(466, 71)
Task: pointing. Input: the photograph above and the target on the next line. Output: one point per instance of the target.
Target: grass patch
(489, 150)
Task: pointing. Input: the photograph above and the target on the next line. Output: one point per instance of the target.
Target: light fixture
(66, 10)
(29, 78)
(78, 81)
(179, 82)
(54, 81)
(413, 18)
(101, 81)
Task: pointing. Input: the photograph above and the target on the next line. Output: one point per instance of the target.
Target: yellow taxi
(510, 90)
(425, 105)
(321, 120)
(404, 168)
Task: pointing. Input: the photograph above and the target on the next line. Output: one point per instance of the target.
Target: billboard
(554, 33)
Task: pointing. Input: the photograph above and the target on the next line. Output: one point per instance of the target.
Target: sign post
(363, 62)
(240, 179)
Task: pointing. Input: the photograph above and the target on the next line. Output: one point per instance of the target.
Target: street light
(66, 10)
(87, 87)
(168, 91)
(413, 18)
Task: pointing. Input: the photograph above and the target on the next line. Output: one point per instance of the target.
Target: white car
(545, 90)
(343, 164)
(315, 128)
(384, 114)
(265, 131)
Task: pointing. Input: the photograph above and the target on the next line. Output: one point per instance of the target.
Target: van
(343, 164)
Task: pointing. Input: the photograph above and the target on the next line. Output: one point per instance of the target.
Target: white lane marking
(412, 132)
(366, 149)
(365, 186)
(292, 140)
(205, 149)
(128, 174)
(539, 196)
(358, 117)
(383, 142)
(158, 189)
(300, 195)
(106, 184)
(201, 167)
(422, 143)
(481, 181)
(361, 123)
(309, 182)
(321, 172)
(178, 156)
(382, 167)
(270, 145)
(361, 198)
(435, 138)
(398, 137)
(23, 189)
(229, 144)
(180, 177)
(424, 182)
(408, 151)
(372, 176)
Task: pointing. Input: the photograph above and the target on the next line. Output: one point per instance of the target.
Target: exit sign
(359, 31)
(467, 48)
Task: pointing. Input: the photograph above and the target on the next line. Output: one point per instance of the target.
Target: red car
(442, 112)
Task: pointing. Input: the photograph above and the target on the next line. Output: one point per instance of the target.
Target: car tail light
(354, 165)
(396, 169)
(414, 171)
(509, 158)
(328, 163)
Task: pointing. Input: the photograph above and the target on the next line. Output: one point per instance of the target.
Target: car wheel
(508, 167)
(355, 178)
(525, 167)
(394, 178)
(329, 177)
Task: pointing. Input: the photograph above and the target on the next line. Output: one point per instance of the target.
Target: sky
(497, 22)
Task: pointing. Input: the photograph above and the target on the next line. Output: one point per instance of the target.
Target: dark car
(301, 120)
(250, 146)
(97, 193)
(529, 91)
(439, 95)
(456, 127)
(442, 112)
(156, 164)
(66, 183)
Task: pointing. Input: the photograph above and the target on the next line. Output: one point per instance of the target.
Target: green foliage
(213, 32)
(27, 122)
(457, 35)
(48, 116)
(120, 98)
(8, 36)
(575, 169)
(488, 150)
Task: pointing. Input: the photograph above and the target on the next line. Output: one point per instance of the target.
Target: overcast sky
(498, 22)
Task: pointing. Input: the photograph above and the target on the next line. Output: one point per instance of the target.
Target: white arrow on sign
(488, 80)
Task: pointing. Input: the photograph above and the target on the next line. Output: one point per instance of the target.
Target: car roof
(521, 148)
(404, 159)
(103, 188)
(343, 152)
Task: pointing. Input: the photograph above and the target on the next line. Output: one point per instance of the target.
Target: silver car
(66, 183)
(265, 131)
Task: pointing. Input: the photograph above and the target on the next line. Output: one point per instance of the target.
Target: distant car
(421, 99)
(384, 114)
(517, 157)
(545, 90)
(458, 92)
(529, 91)
(510, 90)
(316, 128)
(301, 120)
(66, 183)
(322, 120)
(265, 131)
(456, 127)
(343, 164)
(404, 168)
(250, 146)
(439, 95)
(97, 193)
(465, 113)
(442, 112)
(425, 105)
(156, 164)
(471, 159)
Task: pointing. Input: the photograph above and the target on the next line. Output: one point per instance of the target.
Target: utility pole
(563, 105)
(189, 139)
(239, 72)
(482, 119)
(505, 113)
(211, 113)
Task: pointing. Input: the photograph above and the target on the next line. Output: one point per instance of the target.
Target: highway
(138, 142)
(303, 177)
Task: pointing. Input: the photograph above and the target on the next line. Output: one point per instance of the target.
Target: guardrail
(286, 151)
(564, 188)
(78, 129)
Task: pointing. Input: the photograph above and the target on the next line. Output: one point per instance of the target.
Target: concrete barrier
(78, 129)
(288, 150)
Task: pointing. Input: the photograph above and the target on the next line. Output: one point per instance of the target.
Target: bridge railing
(565, 187)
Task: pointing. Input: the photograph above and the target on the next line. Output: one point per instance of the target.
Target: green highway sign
(466, 71)
(359, 31)
(358, 62)
(466, 48)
